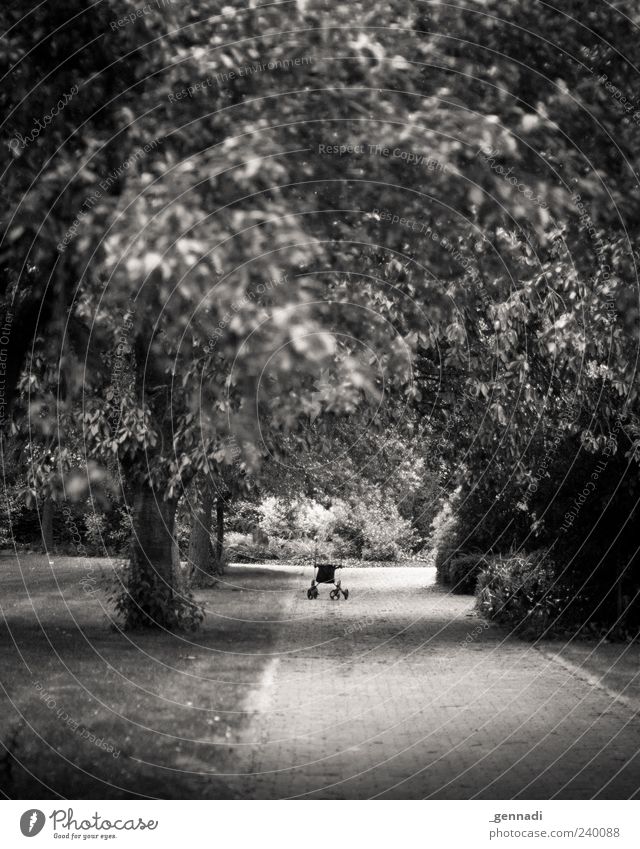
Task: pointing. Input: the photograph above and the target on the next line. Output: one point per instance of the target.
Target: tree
(66, 89)
(206, 560)
(202, 559)
(299, 233)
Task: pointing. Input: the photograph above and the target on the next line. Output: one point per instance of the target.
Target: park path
(402, 692)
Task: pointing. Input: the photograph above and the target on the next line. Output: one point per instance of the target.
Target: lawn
(97, 713)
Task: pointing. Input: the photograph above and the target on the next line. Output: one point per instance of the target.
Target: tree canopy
(243, 233)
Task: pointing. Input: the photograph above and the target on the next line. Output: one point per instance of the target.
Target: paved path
(403, 692)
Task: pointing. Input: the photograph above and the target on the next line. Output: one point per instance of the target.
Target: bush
(240, 548)
(19, 523)
(442, 561)
(461, 572)
(384, 550)
(443, 530)
(480, 516)
(96, 526)
(371, 528)
(242, 516)
(119, 531)
(385, 534)
(347, 531)
(315, 521)
(279, 517)
(301, 517)
(522, 593)
(299, 550)
(444, 522)
(174, 609)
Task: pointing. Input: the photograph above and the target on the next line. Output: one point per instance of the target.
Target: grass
(614, 665)
(96, 713)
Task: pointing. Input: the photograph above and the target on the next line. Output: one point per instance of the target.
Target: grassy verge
(96, 713)
(613, 665)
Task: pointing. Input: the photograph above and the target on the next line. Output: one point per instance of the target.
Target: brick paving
(402, 692)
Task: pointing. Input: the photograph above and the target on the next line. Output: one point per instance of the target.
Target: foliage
(241, 548)
(523, 593)
(460, 572)
(183, 524)
(442, 531)
(119, 530)
(369, 527)
(278, 516)
(385, 533)
(421, 361)
(96, 525)
(171, 608)
(243, 516)
(18, 523)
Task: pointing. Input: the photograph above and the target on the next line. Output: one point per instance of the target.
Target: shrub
(443, 531)
(444, 522)
(371, 528)
(96, 526)
(242, 516)
(279, 517)
(119, 535)
(522, 593)
(18, 522)
(443, 558)
(174, 609)
(299, 550)
(386, 535)
(480, 516)
(384, 550)
(348, 546)
(316, 521)
(240, 548)
(462, 571)
(348, 535)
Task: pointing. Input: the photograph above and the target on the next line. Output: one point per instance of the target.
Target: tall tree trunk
(152, 585)
(156, 597)
(219, 531)
(206, 562)
(46, 525)
(201, 556)
(175, 559)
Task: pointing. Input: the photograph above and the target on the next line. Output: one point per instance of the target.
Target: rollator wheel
(334, 594)
(310, 594)
(345, 593)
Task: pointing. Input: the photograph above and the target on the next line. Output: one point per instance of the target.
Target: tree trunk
(175, 559)
(156, 596)
(152, 584)
(206, 562)
(219, 531)
(46, 525)
(201, 557)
